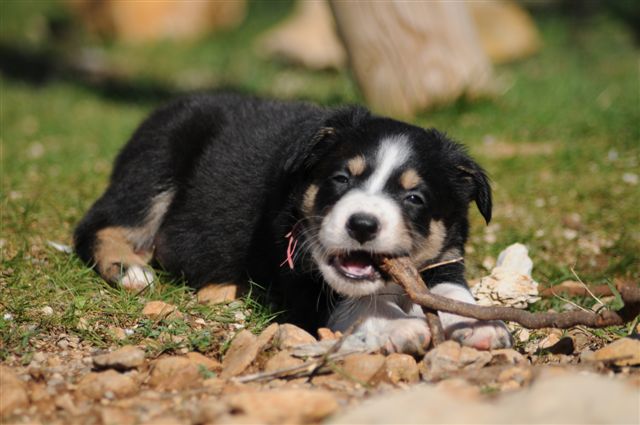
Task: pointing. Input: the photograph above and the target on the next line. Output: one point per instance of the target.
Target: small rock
(13, 394)
(549, 341)
(266, 336)
(174, 373)
(363, 367)
(449, 357)
(282, 360)
(127, 357)
(219, 293)
(241, 353)
(96, 385)
(326, 334)
(623, 352)
(507, 356)
(160, 310)
(200, 360)
(401, 368)
(47, 310)
(118, 333)
(285, 405)
(290, 336)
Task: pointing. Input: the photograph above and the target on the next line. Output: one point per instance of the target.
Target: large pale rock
(103, 384)
(13, 394)
(127, 357)
(285, 406)
(510, 283)
(242, 352)
(623, 352)
(174, 373)
(290, 336)
(566, 399)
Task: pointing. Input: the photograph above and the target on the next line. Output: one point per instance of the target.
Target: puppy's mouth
(357, 265)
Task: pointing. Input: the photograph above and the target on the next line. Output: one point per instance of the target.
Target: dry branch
(405, 274)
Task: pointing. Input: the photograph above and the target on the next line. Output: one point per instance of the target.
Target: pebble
(47, 310)
(219, 293)
(160, 310)
(127, 357)
(96, 384)
(284, 405)
(266, 336)
(13, 392)
(290, 336)
(401, 368)
(449, 357)
(507, 356)
(623, 352)
(174, 373)
(363, 367)
(242, 352)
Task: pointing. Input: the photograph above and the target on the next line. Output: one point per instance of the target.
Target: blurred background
(546, 94)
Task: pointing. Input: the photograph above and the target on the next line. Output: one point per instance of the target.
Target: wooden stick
(403, 272)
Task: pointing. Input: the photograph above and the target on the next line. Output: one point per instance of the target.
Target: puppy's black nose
(362, 227)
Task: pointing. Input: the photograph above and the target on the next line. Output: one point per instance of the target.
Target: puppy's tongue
(357, 265)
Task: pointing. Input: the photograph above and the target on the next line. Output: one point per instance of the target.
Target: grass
(572, 112)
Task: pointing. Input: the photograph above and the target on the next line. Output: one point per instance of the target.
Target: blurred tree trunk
(408, 56)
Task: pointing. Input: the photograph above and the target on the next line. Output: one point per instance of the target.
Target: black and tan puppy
(300, 199)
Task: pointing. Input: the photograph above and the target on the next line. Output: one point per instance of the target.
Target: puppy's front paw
(409, 336)
(402, 335)
(479, 334)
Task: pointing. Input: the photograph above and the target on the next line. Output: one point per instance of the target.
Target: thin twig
(405, 274)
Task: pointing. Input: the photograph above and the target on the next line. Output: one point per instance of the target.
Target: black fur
(239, 167)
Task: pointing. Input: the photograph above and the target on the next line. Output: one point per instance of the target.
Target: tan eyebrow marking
(309, 199)
(356, 165)
(410, 179)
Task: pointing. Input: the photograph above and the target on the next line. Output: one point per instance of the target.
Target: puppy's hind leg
(118, 263)
(121, 253)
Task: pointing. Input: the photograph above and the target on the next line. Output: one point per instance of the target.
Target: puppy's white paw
(482, 335)
(409, 336)
(136, 278)
(402, 335)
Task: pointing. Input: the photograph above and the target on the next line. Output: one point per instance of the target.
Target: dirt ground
(68, 380)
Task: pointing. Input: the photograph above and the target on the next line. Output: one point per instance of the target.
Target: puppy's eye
(414, 199)
(341, 178)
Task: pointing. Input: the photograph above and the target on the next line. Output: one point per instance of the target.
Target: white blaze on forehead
(392, 153)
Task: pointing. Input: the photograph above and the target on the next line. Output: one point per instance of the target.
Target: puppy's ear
(310, 150)
(477, 186)
(321, 136)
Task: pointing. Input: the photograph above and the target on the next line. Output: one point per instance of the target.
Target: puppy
(302, 200)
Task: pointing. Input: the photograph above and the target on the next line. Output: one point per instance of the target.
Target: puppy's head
(380, 187)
